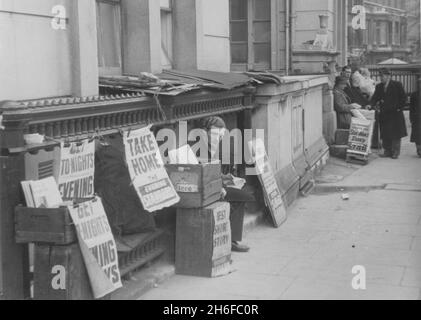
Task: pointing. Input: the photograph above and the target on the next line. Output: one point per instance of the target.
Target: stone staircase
(338, 150)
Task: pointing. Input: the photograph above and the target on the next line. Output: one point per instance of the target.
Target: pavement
(312, 255)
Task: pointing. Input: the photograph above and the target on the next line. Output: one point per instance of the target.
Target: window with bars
(109, 37)
(250, 34)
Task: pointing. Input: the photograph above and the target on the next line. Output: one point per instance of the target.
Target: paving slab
(312, 255)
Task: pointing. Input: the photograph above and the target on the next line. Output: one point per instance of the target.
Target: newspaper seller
(342, 103)
(215, 128)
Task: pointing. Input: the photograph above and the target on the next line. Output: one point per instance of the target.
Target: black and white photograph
(210, 154)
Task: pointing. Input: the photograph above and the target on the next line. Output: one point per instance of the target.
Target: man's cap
(385, 71)
(208, 123)
(341, 80)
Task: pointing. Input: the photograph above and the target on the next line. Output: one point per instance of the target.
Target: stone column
(141, 27)
(329, 115)
(419, 97)
(188, 34)
(84, 48)
(12, 172)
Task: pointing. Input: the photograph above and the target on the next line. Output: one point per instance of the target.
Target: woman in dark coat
(415, 117)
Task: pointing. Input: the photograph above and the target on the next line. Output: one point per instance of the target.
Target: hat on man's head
(208, 123)
(385, 71)
(341, 80)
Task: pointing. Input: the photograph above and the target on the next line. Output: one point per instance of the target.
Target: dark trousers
(237, 220)
(237, 199)
(375, 142)
(392, 147)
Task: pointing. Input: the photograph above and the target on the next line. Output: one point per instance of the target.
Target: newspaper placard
(222, 231)
(221, 257)
(360, 135)
(77, 169)
(147, 171)
(271, 190)
(98, 246)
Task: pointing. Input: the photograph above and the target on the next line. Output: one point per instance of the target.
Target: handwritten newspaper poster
(147, 171)
(221, 257)
(360, 136)
(273, 196)
(98, 246)
(77, 169)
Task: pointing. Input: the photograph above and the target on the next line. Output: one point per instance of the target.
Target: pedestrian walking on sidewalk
(389, 99)
(415, 117)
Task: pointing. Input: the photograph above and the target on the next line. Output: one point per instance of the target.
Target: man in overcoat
(390, 100)
(415, 117)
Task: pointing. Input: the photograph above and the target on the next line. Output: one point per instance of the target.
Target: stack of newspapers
(42, 193)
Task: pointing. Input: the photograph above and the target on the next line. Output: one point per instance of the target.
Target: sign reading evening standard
(147, 171)
(77, 169)
(360, 136)
(98, 246)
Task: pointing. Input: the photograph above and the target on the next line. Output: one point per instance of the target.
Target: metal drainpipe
(292, 16)
(287, 36)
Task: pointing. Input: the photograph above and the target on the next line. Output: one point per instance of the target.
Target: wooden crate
(49, 259)
(341, 137)
(203, 241)
(44, 225)
(357, 159)
(197, 185)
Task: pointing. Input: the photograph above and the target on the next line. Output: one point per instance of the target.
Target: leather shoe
(385, 155)
(236, 247)
(395, 157)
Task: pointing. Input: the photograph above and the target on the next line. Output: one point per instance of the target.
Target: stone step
(338, 151)
(341, 137)
(144, 280)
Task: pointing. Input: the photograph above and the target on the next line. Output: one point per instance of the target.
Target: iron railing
(408, 75)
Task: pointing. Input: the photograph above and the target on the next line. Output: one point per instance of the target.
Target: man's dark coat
(415, 117)
(392, 102)
(356, 95)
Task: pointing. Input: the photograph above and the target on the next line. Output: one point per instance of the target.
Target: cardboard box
(44, 225)
(203, 241)
(197, 185)
(60, 274)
